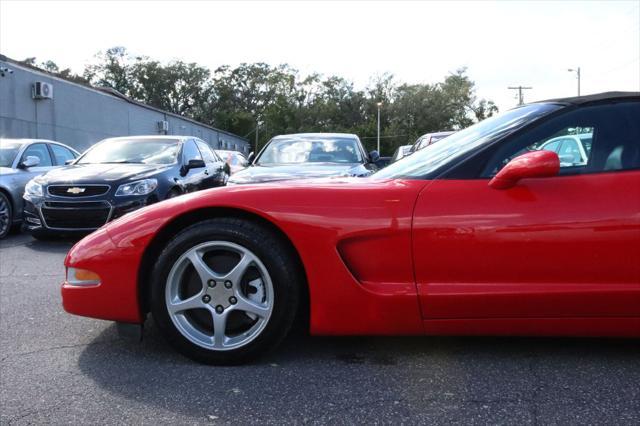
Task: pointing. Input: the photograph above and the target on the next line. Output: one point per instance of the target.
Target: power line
(520, 95)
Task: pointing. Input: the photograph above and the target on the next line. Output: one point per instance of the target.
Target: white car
(573, 150)
(401, 152)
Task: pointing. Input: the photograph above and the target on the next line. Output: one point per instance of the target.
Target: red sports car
(481, 233)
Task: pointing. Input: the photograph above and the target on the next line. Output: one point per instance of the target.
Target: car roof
(144, 137)
(316, 135)
(230, 151)
(26, 140)
(604, 96)
(447, 133)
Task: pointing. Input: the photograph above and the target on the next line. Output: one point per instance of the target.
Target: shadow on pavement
(328, 377)
(58, 245)
(52, 245)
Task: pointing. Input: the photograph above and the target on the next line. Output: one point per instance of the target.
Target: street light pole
(577, 71)
(379, 105)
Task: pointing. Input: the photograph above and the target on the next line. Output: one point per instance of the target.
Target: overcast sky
(502, 44)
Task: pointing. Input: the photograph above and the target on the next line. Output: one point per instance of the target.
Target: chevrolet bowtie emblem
(75, 190)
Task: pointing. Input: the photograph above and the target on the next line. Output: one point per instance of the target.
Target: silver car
(21, 160)
(401, 152)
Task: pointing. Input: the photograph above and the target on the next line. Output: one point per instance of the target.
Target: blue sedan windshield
(429, 159)
(8, 152)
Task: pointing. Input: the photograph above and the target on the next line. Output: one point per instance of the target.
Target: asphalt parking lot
(57, 368)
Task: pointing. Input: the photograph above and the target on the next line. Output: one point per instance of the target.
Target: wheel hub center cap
(220, 296)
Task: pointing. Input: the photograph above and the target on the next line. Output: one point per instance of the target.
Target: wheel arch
(163, 236)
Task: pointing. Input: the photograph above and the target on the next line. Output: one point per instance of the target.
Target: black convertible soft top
(605, 96)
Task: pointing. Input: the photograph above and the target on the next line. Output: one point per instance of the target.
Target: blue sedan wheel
(5, 215)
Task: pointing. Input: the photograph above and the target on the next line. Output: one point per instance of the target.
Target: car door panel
(24, 175)
(555, 247)
(193, 178)
(214, 167)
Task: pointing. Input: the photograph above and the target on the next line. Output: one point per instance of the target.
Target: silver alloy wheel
(5, 220)
(220, 295)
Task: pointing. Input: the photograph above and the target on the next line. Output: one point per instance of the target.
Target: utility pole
(520, 96)
(577, 71)
(379, 105)
(257, 127)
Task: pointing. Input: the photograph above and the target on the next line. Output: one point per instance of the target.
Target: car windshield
(434, 156)
(310, 149)
(235, 160)
(439, 136)
(147, 151)
(224, 154)
(8, 152)
(230, 157)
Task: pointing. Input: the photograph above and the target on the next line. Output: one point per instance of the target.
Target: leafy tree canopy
(278, 99)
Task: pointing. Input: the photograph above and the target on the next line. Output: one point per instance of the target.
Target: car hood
(7, 171)
(260, 174)
(87, 173)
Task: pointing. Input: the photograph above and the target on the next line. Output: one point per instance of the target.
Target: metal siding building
(80, 116)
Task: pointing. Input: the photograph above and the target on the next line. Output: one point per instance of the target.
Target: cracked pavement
(61, 369)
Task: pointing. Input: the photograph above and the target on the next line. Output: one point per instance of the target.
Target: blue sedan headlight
(140, 187)
(33, 189)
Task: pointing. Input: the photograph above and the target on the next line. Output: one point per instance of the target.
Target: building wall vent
(42, 90)
(163, 126)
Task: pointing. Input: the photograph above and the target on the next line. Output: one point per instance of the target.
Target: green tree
(177, 87)
(112, 70)
(279, 99)
(52, 68)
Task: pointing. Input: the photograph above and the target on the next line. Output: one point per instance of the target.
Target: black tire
(6, 216)
(274, 254)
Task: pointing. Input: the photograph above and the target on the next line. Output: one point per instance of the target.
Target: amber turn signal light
(76, 276)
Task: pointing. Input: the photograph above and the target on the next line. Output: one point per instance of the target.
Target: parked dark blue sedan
(115, 177)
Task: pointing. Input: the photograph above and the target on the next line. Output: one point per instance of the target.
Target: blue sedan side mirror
(30, 161)
(374, 156)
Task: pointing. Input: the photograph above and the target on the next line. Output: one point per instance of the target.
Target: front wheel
(6, 216)
(225, 291)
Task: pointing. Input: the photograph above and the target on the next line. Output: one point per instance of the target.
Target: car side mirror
(374, 156)
(251, 157)
(534, 164)
(195, 164)
(30, 161)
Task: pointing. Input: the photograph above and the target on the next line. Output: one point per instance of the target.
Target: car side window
(190, 152)
(551, 146)
(206, 152)
(62, 154)
(590, 139)
(38, 150)
(573, 153)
